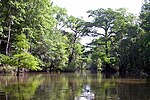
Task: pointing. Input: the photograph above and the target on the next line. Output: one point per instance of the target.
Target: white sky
(78, 8)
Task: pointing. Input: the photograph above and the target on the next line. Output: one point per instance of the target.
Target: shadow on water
(68, 86)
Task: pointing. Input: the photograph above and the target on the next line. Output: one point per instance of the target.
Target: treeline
(122, 43)
(32, 37)
(37, 35)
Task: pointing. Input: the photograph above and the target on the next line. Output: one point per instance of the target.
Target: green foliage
(22, 43)
(1, 30)
(25, 60)
(115, 25)
(79, 49)
(31, 33)
(34, 30)
(106, 60)
(60, 14)
(4, 59)
(144, 40)
(144, 16)
(22, 58)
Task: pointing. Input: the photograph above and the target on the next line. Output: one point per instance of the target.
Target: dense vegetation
(36, 35)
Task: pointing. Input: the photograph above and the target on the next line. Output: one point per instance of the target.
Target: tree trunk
(8, 39)
(18, 72)
(106, 41)
(73, 49)
(106, 47)
(106, 50)
(71, 56)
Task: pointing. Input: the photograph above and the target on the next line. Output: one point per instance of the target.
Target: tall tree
(76, 26)
(11, 16)
(109, 24)
(145, 39)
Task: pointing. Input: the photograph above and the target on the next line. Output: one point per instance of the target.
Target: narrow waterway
(68, 86)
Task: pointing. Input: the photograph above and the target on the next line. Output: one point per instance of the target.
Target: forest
(36, 35)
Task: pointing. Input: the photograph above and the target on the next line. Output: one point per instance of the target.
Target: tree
(129, 50)
(34, 28)
(11, 16)
(76, 26)
(145, 38)
(22, 58)
(113, 23)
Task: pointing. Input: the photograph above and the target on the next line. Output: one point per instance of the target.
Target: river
(67, 86)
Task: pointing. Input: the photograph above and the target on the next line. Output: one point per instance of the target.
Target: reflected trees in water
(67, 86)
(22, 88)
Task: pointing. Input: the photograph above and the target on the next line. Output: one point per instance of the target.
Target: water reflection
(87, 94)
(68, 86)
(22, 88)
